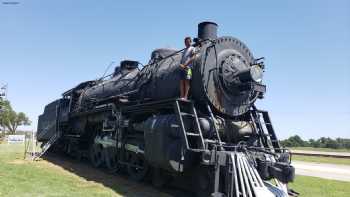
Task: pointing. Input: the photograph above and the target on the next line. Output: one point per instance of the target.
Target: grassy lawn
(320, 149)
(316, 187)
(319, 159)
(20, 177)
(25, 178)
(316, 159)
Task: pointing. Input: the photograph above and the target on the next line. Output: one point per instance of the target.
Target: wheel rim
(96, 155)
(111, 158)
(138, 167)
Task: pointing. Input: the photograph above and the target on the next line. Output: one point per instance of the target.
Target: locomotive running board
(242, 178)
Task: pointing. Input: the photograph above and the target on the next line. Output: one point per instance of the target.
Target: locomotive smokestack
(207, 30)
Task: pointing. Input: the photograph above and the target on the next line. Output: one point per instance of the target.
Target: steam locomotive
(217, 142)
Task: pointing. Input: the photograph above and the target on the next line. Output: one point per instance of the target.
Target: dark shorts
(185, 73)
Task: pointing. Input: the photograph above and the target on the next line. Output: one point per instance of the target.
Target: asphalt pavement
(322, 170)
(321, 153)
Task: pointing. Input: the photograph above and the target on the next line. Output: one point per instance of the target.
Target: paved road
(322, 170)
(322, 153)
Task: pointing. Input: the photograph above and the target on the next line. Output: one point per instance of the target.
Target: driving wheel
(137, 167)
(96, 155)
(111, 158)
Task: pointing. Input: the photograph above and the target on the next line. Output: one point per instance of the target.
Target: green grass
(320, 149)
(20, 177)
(317, 159)
(320, 159)
(25, 178)
(317, 187)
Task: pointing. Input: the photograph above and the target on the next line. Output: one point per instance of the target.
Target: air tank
(163, 139)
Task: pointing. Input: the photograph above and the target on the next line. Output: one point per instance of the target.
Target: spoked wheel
(111, 157)
(138, 167)
(96, 155)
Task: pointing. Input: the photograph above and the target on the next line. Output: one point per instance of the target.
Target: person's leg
(182, 88)
(183, 74)
(186, 88)
(187, 82)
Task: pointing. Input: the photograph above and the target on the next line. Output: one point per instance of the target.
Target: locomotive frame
(218, 142)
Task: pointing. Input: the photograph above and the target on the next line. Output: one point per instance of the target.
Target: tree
(323, 142)
(9, 119)
(314, 143)
(330, 143)
(4, 109)
(294, 141)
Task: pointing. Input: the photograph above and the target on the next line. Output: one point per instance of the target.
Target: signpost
(3, 91)
(14, 139)
(33, 145)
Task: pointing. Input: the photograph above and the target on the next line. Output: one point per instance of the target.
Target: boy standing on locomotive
(186, 66)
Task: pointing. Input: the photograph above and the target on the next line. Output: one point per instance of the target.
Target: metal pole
(6, 90)
(33, 145)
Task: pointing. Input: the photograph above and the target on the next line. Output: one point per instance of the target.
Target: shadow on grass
(117, 182)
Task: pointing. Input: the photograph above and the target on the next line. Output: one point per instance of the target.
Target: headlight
(256, 73)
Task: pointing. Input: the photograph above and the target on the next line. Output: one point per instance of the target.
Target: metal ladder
(47, 145)
(271, 135)
(193, 139)
(217, 135)
(271, 131)
(53, 139)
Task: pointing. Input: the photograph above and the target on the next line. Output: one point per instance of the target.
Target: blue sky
(47, 47)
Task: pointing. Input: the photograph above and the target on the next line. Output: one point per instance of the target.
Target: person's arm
(190, 60)
(183, 66)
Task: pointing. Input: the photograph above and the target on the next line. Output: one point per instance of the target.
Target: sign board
(11, 139)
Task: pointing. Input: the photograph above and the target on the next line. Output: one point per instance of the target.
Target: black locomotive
(217, 142)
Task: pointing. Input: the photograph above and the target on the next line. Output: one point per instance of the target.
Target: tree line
(10, 119)
(323, 142)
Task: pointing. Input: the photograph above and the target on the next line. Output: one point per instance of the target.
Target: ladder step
(187, 114)
(47, 145)
(184, 101)
(193, 139)
(192, 134)
(196, 150)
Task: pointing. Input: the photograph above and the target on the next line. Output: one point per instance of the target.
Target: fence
(31, 146)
